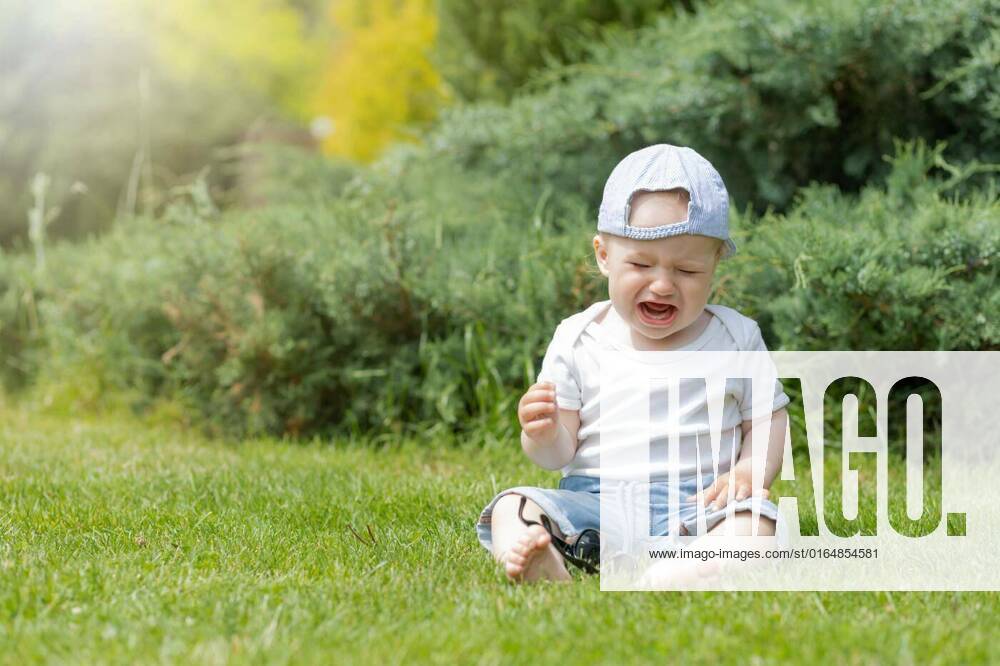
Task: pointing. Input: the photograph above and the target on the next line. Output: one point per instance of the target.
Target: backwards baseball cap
(666, 167)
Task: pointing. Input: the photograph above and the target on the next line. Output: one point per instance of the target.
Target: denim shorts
(575, 506)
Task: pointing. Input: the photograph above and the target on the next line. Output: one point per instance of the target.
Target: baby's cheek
(704, 286)
(629, 280)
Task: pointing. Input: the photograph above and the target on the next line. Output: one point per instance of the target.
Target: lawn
(122, 541)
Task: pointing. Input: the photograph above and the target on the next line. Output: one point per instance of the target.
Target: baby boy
(662, 229)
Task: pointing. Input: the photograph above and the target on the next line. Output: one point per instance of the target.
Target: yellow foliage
(379, 81)
(262, 46)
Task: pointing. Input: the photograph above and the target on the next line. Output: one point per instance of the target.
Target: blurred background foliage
(488, 50)
(121, 101)
(379, 84)
(302, 216)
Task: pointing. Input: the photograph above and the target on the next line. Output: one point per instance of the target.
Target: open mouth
(657, 314)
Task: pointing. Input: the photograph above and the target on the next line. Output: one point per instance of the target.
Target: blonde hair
(679, 195)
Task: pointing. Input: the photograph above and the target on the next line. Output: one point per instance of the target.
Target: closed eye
(638, 265)
(689, 272)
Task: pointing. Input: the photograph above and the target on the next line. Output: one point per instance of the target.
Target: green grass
(126, 542)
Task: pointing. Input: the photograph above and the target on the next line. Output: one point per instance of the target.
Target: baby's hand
(538, 413)
(741, 478)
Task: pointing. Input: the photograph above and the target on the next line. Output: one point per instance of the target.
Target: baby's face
(658, 287)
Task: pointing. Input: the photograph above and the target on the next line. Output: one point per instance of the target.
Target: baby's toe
(538, 537)
(513, 569)
(515, 557)
(523, 546)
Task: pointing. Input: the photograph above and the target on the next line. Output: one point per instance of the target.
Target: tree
(379, 85)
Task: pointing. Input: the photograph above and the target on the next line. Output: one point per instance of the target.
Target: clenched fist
(539, 414)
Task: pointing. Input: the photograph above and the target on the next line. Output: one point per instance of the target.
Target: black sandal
(585, 552)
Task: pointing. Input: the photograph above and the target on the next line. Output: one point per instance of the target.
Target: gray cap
(666, 167)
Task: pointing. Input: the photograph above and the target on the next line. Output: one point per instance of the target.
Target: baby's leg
(742, 526)
(525, 551)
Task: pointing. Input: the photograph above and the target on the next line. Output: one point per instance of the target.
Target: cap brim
(730, 248)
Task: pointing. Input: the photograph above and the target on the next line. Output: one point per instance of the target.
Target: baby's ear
(601, 253)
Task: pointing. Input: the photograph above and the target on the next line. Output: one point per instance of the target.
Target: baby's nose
(662, 286)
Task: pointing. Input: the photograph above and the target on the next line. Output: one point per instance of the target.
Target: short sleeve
(756, 343)
(559, 367)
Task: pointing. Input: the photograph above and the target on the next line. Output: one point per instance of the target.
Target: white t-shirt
(572, 364)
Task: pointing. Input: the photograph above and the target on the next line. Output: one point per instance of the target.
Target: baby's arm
(741, 475)
(548, 434)
(775, 443)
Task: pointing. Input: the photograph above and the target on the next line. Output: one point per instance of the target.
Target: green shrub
(367, 312)
(776, 93)
(21, 334)
(908, 267)
(487, 49)
(384, 309)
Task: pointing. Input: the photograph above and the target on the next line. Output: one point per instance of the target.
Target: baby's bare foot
(533, 557)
